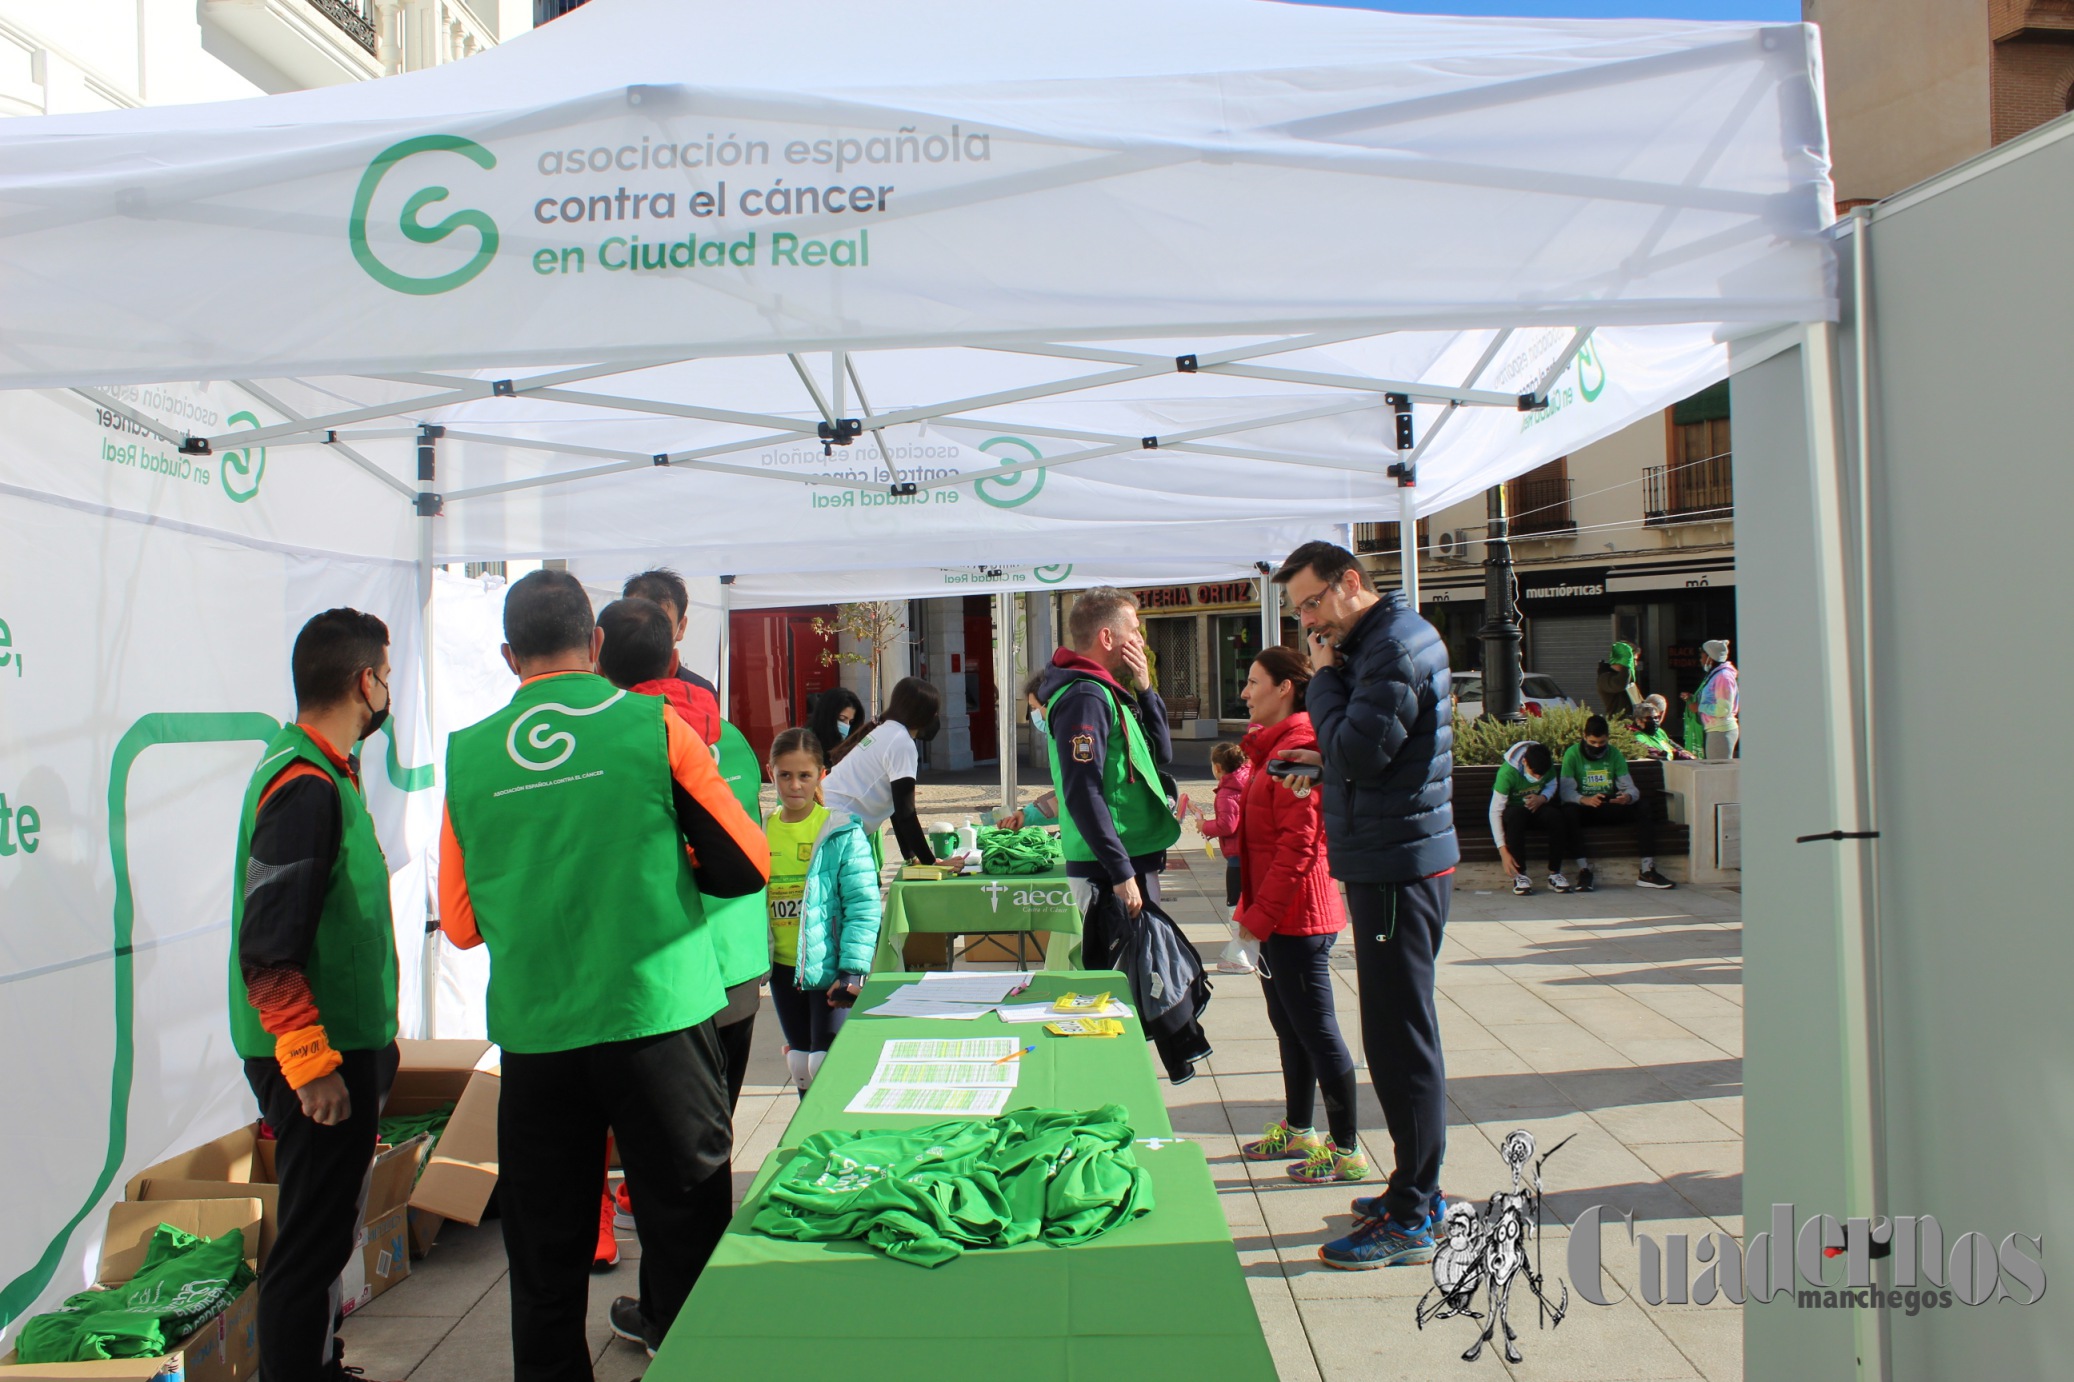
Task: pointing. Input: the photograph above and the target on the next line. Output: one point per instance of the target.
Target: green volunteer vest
(741, 925)
(352, 964)
(1138, 804)
(561, 803)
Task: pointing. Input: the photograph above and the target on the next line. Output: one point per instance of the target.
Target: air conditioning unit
(1454, 544)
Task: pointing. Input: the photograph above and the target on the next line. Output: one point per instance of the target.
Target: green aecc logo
(243, 470)
(415, 230)
(1009, 491)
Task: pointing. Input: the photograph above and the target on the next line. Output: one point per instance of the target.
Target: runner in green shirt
(1596, 789)
(1523, 799)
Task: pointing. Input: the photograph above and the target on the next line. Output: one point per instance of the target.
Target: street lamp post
(1500, 633)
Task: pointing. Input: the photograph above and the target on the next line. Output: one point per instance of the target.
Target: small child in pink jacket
(1229, 766)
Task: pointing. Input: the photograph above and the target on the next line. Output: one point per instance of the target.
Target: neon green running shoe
(1280, 1142)
(1327, 1163)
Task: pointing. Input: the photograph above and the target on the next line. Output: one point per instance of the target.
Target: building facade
(86, 55)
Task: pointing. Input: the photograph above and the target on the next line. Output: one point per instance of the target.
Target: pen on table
(1015, 1055)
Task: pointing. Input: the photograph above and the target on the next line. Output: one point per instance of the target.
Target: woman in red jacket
(1288, 899)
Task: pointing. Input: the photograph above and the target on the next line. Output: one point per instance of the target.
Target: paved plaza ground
(1615, 1016)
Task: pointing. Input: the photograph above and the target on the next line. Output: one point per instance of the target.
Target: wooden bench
(1472, 810)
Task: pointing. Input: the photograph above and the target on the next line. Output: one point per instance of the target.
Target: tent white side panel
(142, 667)
(1969, 495)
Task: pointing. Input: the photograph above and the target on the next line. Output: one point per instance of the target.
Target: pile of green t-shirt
(1029, 850)
(926, 1195)
(185, 1282)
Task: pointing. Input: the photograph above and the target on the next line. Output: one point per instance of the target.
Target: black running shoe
(1584, 881)
(630, 1324)
(1650, 878)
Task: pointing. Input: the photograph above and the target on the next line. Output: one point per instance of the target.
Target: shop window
(1175, 674)
(1238, 643)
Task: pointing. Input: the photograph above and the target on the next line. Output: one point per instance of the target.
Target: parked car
(1537, 693)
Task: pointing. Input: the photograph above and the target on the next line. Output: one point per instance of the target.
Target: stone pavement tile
(1686, 1004)
(1677, 1120)
(1491, 1098)
(1688, 1064)
(1557, 1046)
(1244, 1055)
(1611, 1343)
(478, 1349)
(1710, 1174)
(1283, 1326)
(1503, 1006)
(1458, 1032)
(395, 1345)
(1724, 1032)
(1612, 1086)
(1607, 1013)
(1711, 1339)
(1729, 1110)
(1355, 1341)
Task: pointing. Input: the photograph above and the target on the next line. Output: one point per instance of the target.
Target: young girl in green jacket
(824, 906)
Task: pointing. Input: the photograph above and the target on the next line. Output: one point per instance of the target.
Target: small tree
(874, 624)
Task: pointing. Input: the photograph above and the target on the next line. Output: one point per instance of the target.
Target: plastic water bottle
(968, 838)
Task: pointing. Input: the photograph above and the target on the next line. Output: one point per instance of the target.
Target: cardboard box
(240, 1165)
(235, 1166)
(223, 1350)
(380, 1259)
(462, 1171)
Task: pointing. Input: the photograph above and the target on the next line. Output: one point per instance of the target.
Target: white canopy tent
(1141, 285)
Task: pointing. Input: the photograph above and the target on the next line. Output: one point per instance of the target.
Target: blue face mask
(1037, 723)
(842, 729)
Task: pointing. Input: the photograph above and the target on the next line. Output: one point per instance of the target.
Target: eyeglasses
(1310, 606)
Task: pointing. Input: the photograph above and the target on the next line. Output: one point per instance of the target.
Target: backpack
(1169, 987)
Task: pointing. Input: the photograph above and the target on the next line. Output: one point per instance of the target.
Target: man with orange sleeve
(569, 814)
(313, 980)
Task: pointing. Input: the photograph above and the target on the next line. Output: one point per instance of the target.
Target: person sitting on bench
(1596, 789)
(1523, 798)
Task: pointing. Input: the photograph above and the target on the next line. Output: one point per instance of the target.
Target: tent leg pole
(1007, 697)
(723, 681)
(1270, 608)
(1855, 920)
(428, 444)
(1408, 544)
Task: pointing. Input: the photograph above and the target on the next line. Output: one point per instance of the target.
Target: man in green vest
(313, 980)
(1109, 750)
(584, 825)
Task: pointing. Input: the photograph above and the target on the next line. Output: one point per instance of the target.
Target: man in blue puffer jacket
(1379, 701)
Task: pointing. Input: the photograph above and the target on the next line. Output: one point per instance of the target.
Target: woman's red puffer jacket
(1285, 886)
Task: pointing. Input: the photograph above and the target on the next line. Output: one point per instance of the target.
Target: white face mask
(1037, 723)
(842, 729)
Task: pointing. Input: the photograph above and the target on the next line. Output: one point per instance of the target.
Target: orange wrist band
(305, 1055)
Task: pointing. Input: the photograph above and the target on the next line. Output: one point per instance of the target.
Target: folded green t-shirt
(185, 1282)
(927, 1194)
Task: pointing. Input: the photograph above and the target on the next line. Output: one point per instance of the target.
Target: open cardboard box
(240, 1165)
(223, 1350)
(234, 1166)
(462, 1172)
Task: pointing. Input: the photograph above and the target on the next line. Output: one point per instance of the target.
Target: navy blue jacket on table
(1080, 722)
(1385, 726)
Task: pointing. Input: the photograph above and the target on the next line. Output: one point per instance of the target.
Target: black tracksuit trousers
(1397, 934)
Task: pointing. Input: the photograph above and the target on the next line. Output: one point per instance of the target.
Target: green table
(982, 904)
(1160, 1297)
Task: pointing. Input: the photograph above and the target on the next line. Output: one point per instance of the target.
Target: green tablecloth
(982, 903)
(1160, 1297)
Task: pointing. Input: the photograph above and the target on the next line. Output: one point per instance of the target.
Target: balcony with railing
(1381, 539)
(1701, 491)
(310, 43)
(1537, 504)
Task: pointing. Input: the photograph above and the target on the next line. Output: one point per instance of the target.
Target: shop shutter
(1569, 647)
